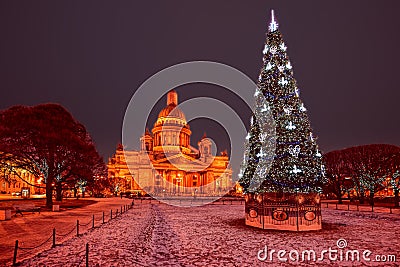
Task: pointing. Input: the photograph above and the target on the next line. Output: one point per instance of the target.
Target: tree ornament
(288, 65)
(297, 92)
(283, 81)
(294, 150)
(268, 67)
(283, 47)
(273, 50)
(302, 108)
(295, 170)
(265, 51)
(261, 154)
(290, 126)
(287, 110)
(281, 68)
(265, 108)
(318, 154)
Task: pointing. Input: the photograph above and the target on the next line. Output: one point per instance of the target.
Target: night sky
(90, 56)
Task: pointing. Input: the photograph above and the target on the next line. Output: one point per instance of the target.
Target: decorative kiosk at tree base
(288, 212)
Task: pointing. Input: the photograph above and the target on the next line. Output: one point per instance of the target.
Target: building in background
(19, 182)
(167, 164)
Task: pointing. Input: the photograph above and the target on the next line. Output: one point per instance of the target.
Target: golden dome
(171, 111)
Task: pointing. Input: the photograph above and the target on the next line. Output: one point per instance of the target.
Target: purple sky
(90, 56)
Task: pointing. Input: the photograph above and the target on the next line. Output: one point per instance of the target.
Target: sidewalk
(33, 229)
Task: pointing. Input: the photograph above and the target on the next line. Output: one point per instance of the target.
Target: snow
(215, 235)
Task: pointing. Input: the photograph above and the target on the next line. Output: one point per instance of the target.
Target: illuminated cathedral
(167, 164)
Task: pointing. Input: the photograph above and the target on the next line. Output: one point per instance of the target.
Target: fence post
(111, 215)
(326, 204)
(348, 206)
(372, 208)
(54, 237)
(390, 210)
(87, 254)
(357, 208)
(93, 222)
(336, 206)
(15, 253)
(103, 216)
(77, 227)
(121, 210)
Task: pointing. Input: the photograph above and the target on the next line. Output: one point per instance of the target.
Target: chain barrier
(31, 248)
(67, 234)
(25, 250)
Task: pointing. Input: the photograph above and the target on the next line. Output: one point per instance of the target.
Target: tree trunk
(75, 192)
(49, 194)
(339, 192)
(371, 198)
(396, 197)
(58, 191)
(340, 200)
(361, 198)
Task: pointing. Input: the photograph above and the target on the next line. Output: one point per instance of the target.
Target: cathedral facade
(167, 165)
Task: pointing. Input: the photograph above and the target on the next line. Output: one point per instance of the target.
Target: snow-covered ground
(33, 229)
(215, 235)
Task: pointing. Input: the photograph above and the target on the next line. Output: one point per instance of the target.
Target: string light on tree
(283, 47)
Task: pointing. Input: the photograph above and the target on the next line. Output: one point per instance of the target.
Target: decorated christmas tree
(282, 171)
(296, 165)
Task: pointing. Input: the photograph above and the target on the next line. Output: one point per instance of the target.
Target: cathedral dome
(171, 111)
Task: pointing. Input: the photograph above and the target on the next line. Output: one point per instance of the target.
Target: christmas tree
(295, 164)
